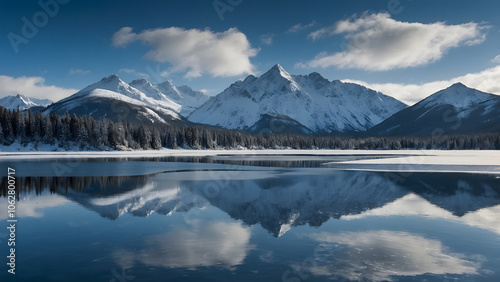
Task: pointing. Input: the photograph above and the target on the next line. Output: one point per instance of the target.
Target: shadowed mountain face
(277, 200)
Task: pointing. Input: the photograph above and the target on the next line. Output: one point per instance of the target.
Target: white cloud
(486, 81)
(267, 38)
(35, 205)
(195, 51)
(126, 70)
(378, 255)
(376, 42)
(496, 59)
(123, 37)
(78, 71)
(299, 27)
(134, 72)
(224, 244)
(32, 87)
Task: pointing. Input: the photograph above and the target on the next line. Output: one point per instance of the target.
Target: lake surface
(249, 218)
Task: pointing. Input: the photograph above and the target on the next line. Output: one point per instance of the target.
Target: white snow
(188, 98)
(153, 92)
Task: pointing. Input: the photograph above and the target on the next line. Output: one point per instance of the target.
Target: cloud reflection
(412, 204)
(223, 244)
(33, 206)
(378, 255)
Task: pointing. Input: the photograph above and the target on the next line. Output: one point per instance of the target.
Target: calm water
(264, 218)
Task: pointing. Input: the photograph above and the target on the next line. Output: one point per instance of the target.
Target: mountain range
(310, 102)
(277, 102)
(23, 102)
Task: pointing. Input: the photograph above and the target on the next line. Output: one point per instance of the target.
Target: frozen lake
(248, 216)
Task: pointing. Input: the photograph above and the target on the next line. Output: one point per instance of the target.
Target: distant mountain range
(277, 102)
(23, 102)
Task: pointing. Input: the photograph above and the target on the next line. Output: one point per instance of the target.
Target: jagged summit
(277, 71)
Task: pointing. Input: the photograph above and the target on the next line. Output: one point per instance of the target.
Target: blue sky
(405, 48)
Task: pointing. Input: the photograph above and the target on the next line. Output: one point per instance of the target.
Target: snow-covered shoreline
(431, 157)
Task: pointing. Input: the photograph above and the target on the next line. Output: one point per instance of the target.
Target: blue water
(217, 222)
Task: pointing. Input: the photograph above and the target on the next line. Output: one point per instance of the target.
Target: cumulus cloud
(32, 87)
(299, 27)
(267, 38)
(223, 244)
(496, 59)
(486, 81)
(376, 42)
(194, 51)
(378, 255)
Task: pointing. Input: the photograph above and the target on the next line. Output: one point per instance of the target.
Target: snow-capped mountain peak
(276, 75)
(112, 83)
(278, 70)
(457, 95)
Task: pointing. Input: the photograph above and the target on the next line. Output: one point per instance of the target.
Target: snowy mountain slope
(453, 111)
(188, 98)
(153, 92)
(312, 101)
(23, 102)
(114, 99)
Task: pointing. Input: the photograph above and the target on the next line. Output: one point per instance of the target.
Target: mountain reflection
(275, 201)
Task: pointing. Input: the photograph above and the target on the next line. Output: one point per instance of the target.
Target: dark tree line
(88, 133)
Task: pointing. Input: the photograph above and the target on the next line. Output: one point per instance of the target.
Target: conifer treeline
(91, 134)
